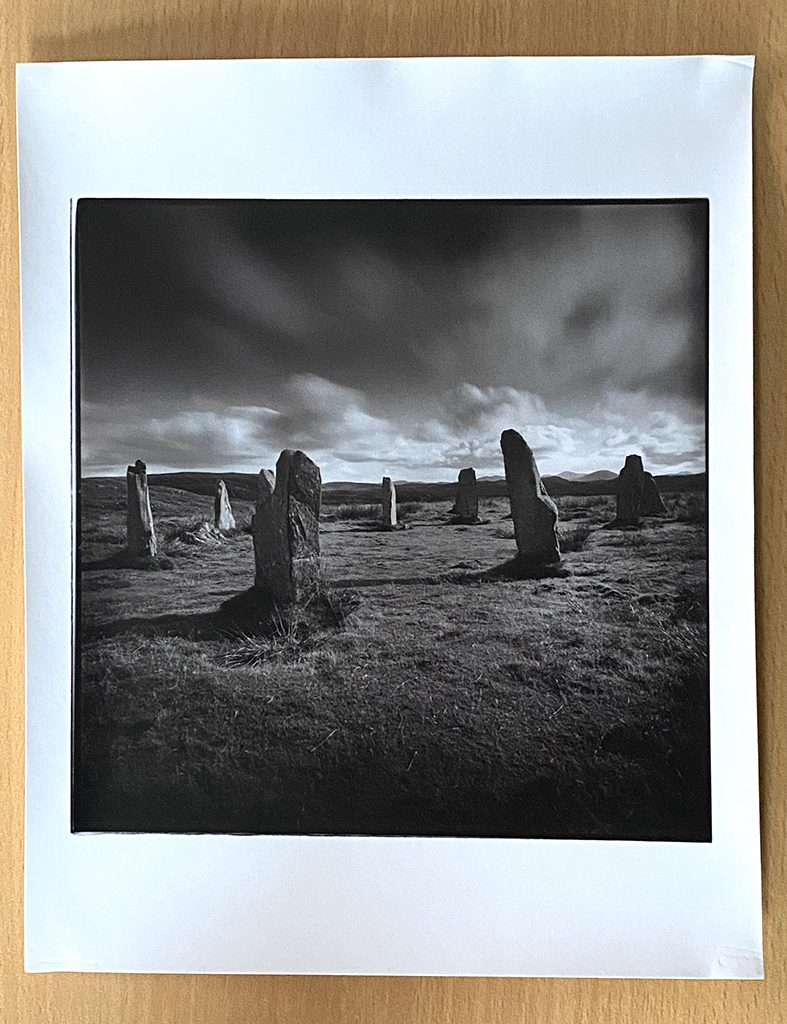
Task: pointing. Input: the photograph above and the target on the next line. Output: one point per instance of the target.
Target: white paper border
(457, 127)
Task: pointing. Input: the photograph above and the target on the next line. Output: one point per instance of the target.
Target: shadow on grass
(248, 612)
(125, 560)
(412, 524)
(251, 613)
(519, 568)
(513, 569)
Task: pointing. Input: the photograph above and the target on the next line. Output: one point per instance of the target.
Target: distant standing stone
(265, 484)
(389, 504)
(140, 535)
(533, 511)
(223, 518)
(652, 504)
(631, 483)
(286, 530)
(465, 509)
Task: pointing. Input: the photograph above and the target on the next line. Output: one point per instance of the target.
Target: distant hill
(558, 487)
(243, 486)
(600, 474)
(239, 485)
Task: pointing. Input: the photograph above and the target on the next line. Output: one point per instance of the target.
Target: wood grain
(134, 29)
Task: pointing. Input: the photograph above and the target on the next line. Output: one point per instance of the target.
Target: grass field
(439, 700)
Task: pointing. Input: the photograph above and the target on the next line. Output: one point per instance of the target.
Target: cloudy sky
(391, 337)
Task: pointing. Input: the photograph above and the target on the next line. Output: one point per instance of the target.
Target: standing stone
(465, 509)
(265, 484)
(631, 483)
(652, 505)
(533, 511)
(223, 518)
(389, 504)
(286, 530)
(140, 535)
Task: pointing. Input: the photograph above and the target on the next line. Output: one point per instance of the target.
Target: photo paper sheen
(386, 538)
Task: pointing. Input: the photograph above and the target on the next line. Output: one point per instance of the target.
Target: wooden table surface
(45, 30)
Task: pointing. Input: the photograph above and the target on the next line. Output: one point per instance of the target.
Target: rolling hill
(243, 486)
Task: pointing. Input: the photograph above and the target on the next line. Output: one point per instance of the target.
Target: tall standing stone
(140, 535)
(631, 484)
(223, 518)
(651, 504)
(266, 483)
(286, 531)
(465, 508)
(389, 504)
(533, 511)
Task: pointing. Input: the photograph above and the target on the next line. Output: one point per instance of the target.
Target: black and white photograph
(391, 518)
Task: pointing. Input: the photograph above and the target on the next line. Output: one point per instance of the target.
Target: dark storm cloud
(401, 333)
(588, 313)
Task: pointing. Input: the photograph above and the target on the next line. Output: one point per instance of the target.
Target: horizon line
(487, 476)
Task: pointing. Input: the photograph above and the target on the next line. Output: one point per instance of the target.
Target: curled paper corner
(734, 962)
(35, 966)
(745, 61)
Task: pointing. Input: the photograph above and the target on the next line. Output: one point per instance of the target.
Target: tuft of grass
(408, 509)
(354, 512)
(690, 604)
(689, 508)
(595, 508)
(574, 539)
(291, 633)
(290, 639)
(198, 532)
(684, 645)
(338, 602)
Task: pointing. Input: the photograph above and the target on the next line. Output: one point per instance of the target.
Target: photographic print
(392, 518)
(386, 609)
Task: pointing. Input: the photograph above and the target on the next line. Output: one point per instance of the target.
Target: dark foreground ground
(433, 700)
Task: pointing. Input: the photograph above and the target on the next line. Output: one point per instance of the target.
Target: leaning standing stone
(223, 518)
(389, 504)
(651, 504)
(631, 483)
(286, 531)
(465, 509)
(533, 511)
(140, 535)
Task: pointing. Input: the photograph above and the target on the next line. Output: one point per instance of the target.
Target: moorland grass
(573, 706)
